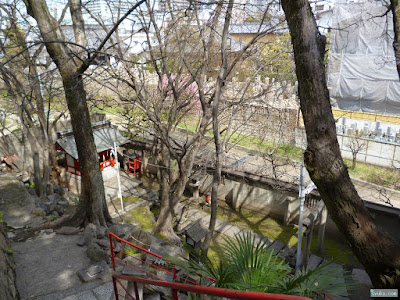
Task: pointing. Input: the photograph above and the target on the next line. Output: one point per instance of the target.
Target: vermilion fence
(203, 292)
(143, 262)
(147, 268)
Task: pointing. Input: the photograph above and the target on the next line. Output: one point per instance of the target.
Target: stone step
(277, 246)
(223, 227)
(233, 231)
(97, 290)
(313, 262)
(115, 214)
(154, 296)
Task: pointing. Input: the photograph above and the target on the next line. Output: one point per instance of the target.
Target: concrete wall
(276, 198)
(259, 194)
(280, 200)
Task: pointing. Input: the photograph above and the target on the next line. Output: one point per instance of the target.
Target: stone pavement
(128, 184)
(48, 265)
(89, 291)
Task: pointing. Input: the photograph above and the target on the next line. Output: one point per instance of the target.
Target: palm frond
(248, 264)
(321, 280)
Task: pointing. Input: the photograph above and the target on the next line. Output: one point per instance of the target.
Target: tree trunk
(223, 71)
(44, 139)
(92, 204)
(171, 196)
(375, 249)
(164, 224)
(396, 23)
(36, 174)
(353, 166)
(55, 171)
(31, 94)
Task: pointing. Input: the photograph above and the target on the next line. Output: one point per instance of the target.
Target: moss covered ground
(140, 216)
(335, 250)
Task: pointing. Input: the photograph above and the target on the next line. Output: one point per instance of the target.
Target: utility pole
(302, 199)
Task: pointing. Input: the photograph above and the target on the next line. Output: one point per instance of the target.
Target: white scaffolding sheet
(362, 73)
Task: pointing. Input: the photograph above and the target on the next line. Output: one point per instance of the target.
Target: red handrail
(112, 235)
(203, 290)
(173, 273)
(185, 287)
(329, 297)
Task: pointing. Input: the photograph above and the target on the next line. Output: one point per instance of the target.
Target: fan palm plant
(247, 264)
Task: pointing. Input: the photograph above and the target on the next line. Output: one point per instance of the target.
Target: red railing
(149, 267)
(134, 166)
(195, 289)
(107, 163)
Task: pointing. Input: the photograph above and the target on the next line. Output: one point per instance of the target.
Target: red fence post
(115, 288)
(174, 292)
(136, 290)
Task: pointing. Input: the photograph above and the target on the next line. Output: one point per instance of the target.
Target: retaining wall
(254, 192)
(280, 199)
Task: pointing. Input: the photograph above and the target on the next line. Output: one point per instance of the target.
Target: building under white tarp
(362, 73)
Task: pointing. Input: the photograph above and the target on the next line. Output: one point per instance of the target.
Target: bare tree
(375, 249)
(72, 62)
(191, 62)
(356, 144)
(20, 76)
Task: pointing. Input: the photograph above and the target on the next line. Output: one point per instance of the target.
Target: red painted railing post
(174, 292)
(112, 251)
(136, 290)
(115, 288)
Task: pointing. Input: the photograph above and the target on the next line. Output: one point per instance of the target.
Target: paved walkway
(128, 184)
